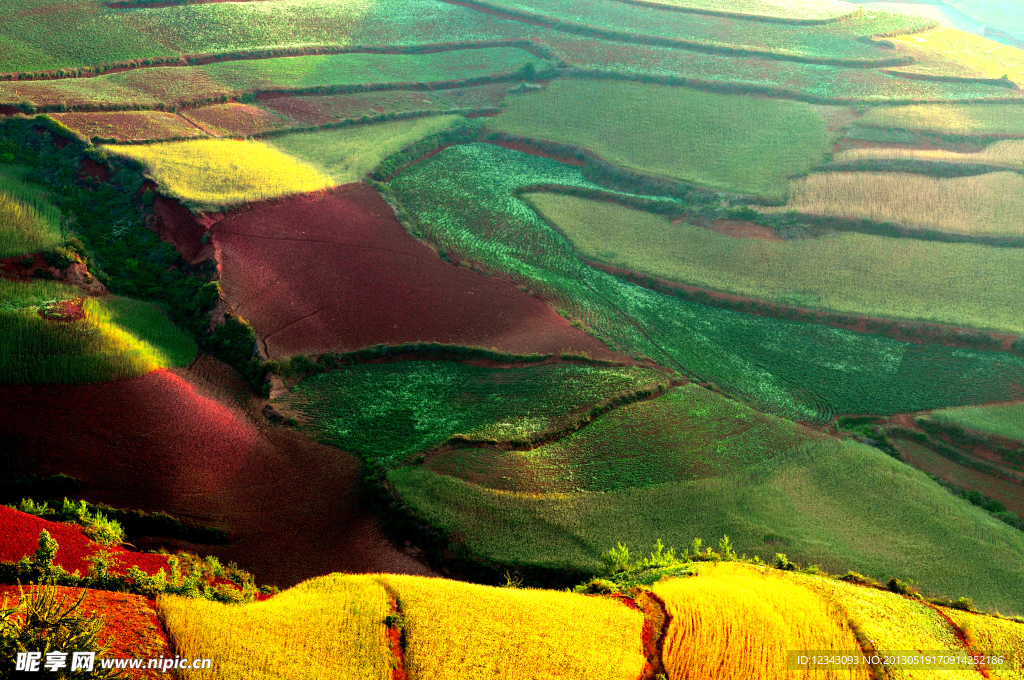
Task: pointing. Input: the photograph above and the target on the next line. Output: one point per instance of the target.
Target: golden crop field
(991, 204)
(1009, 153)
(212, 173)
(892, 623)
(948, 51)
(989, 635)
(738, 621)
(462, 631)
(331, 626)
(961, 119)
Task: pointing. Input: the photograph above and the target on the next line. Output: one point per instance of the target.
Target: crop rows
(955, 119)
(1005, 420)
(820, 11)
(464, 201)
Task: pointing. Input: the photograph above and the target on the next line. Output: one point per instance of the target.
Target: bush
(782, 562)
(597, 586)
(897, 586)
(854, 577)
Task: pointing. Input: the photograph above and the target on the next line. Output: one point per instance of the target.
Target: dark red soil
(337, 271)
(177, 226)
(291, 507)
(19, 536)
(64, 311)
(232, 119)
(130, 623)
(91, 168)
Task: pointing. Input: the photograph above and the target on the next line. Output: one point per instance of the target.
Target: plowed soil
(291, 507)
(337, 271)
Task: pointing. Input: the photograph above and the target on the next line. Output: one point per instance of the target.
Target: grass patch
(458, 631)
(989, 204)
(386, 412)
(214, 173)
(686, 434)
(29, 223)
(349, 154)
(1004, 420)
(745, 619)
(839, 505)
(910, 279)
(748, 145)
(959, 119)
(331, 626)
(117, 338)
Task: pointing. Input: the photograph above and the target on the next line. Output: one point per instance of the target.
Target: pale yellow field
(892, 623)
(461, 631)
(948, 51)
(991, 204)
(988, 635)
(962, 119)
(209, 173)
(1009, 154)
(330, 627)
(783, 9)
(738, 621)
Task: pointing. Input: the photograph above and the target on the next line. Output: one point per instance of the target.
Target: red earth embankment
(336, 271)
(291, 507)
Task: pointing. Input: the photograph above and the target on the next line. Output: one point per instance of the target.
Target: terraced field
(817, 11)
(960, 119)
(947, 51)
(30, 223)
(1002, 420)
(911, 279)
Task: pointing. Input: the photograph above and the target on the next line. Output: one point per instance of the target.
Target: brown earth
(129, 126)
(25, 267)
(233, 120)
(336, 271)
(184, 443)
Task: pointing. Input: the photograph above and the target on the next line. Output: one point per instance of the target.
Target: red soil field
(336, 272)
(233, 120)
(158, 442)
(130, 125)
(130, 623)
(19, 536)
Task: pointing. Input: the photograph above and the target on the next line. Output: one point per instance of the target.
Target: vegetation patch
(958, 119)
(129, 126)
(794, 11)
(1005, 420)
(386, 412)
(947, 51)
(748, 145)
(687, 434)
(1008, 154)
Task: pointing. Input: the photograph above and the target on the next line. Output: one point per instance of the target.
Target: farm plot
(739, 621)
(947, 51)
(1003, 420)
(330, 626)
(213, 173)
(1009, 154)
(799, 11)
(337, 272)
(463, 200)
(452, 632)
(689, 433)
(839, 505)
(29, 222)
(958, 119)
(386, 412)
(989, 635)
(990, 204)
(749, 145)
(828, 43)
(910, 279)
(233, 119)
(50, 334)
(165, 86)
(130, 126)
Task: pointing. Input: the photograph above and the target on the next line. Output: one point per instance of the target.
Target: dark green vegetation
(837, 505)
(464, 201)
(386, 412)
(30, 223)
(748, 145)
(687, 434)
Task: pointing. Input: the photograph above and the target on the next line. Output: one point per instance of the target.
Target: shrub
(782, 562)
(897, 586)
(597, 586)
(854, 577)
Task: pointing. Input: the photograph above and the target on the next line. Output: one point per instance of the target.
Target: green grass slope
(1004, 420)
(29, 223)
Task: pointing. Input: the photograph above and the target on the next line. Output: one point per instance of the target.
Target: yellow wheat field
(735, 621)
(209, 173)
(461, 631)
(891, 623)
(961, 119)
(948, 51)
(991, 204)
(989, 635)
(330, 627)
(1009, 154)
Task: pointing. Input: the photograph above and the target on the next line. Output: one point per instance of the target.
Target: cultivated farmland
(1004, 420)
(1009, 154)
(743, 620)
(960, 119)
(800, 11)
(28, 222)
(966, 54)
(128, 126)
(643, 128)
(911, 279)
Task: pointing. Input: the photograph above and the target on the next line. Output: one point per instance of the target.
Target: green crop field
(348, 154)
(842, 506)
(911, 279)
(960, 119)
(29, 223)
(1006, 420)
(463, 200)
(749, 145)
(817, 11)
(687, 434)
(989, 204)
(388, 411)
(117, 338)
